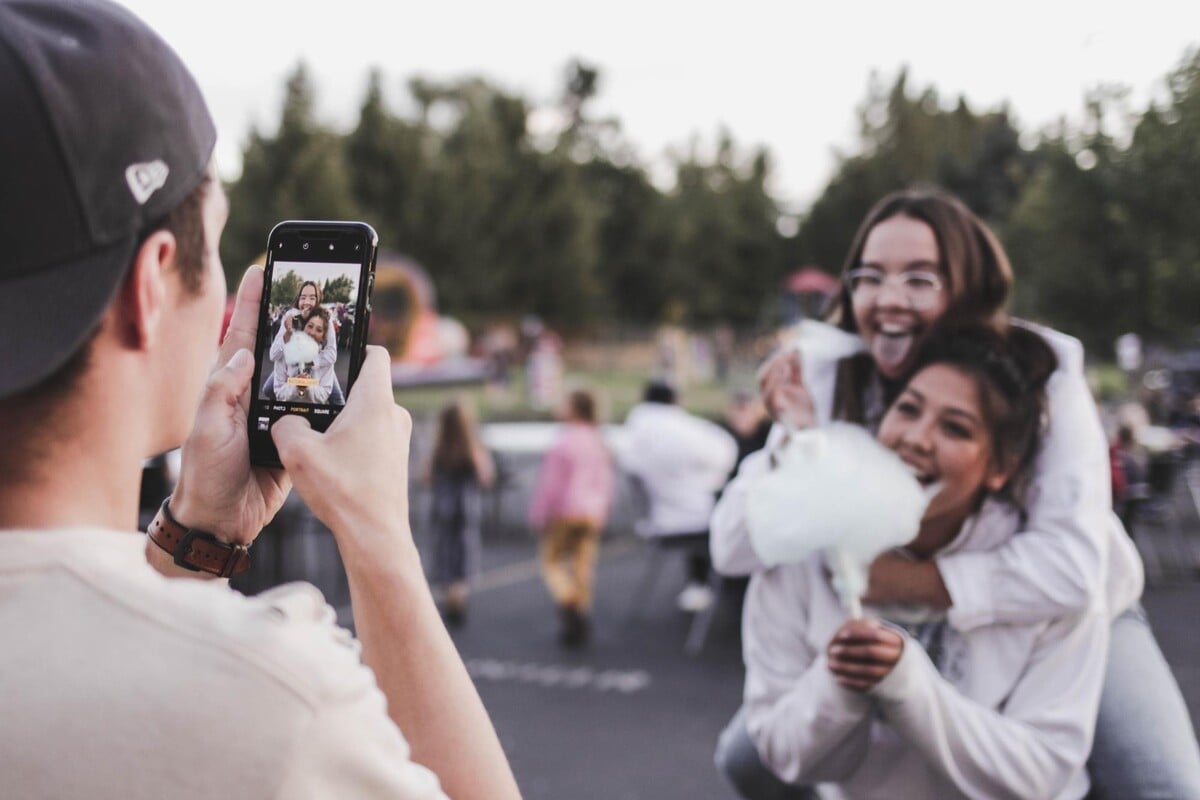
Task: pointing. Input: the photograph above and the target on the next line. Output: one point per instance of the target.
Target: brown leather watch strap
(196, 550)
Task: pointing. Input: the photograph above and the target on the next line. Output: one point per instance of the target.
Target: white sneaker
(695, 598)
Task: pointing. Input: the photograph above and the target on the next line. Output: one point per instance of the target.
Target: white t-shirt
(120, 683)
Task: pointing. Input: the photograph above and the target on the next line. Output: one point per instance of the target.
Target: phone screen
(311, 325)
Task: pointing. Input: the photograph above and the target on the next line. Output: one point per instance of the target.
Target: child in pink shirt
(570, 506)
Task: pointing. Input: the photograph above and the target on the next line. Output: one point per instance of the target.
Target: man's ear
(144, 296)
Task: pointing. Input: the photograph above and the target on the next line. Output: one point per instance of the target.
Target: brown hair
(300, 291)
(323, 314)
(582, 404)
(186, 223)
(971, 260)
(454, 442)
(1010, 371)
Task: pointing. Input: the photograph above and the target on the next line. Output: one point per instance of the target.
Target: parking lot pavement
(628, 717)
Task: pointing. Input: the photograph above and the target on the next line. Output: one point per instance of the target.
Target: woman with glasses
(921, 259)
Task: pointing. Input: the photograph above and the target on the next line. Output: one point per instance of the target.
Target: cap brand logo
(146, 179)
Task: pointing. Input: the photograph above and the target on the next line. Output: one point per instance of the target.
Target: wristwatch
(196, 550)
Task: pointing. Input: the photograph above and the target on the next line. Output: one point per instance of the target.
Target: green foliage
(909, 139)
(337, 290)
(565, 222)
(1103, 240)
(300, 173)
(285, 289)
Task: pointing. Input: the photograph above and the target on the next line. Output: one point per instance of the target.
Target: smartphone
(312, 325)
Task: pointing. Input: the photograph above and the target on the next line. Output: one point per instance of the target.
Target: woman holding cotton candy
(921, 260)
(914, 707)
(305, 357)
(308, 298)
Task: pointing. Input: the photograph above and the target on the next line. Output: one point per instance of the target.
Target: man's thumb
(231, 380)
(293, 437)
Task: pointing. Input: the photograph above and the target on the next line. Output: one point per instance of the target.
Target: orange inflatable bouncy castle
(404, 316)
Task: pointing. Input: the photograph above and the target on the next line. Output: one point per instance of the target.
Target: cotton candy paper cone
(834, 489)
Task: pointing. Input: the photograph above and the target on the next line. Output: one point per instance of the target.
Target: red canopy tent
(811, 280)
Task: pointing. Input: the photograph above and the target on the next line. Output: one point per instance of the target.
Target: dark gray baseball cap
(103, 133)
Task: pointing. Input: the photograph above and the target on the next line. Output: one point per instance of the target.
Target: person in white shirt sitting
(682, 461)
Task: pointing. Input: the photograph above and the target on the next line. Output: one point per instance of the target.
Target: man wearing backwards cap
(122, 680)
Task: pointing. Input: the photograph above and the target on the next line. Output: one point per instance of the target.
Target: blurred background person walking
(459, 470)
(569, 507)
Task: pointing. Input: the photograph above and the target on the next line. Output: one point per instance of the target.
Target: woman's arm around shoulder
(1059, 563)
(1041, 738)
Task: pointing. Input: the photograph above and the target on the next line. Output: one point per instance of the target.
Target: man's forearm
(430, 695)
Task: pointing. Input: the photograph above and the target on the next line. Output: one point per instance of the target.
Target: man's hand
(781, 383)
(893, 578)
(862, 652)
(354, 476)
(219, 491)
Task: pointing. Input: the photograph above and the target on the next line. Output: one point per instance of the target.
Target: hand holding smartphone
(312, 325)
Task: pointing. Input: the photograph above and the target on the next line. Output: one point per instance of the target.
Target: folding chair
(660, 548)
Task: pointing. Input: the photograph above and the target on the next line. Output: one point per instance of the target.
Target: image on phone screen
(311, 313)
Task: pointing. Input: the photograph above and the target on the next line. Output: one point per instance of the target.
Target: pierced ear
(144, 295)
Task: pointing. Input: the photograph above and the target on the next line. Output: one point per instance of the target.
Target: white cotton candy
(821, 346)
(300, 349)
(820, 341)
(835, 489)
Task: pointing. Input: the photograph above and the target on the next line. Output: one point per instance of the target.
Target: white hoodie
(1072, 550)
(1010, 715)
(682, 460)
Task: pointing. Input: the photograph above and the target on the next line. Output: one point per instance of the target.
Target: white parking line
(557, 676)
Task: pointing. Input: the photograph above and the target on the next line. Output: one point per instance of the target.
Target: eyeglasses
(921, 289)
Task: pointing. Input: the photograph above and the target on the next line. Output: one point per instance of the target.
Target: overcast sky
(786, 75)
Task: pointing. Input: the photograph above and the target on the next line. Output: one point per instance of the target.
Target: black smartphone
(312, 325)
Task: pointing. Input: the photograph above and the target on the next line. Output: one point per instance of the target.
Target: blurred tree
(285, 289)
(726, 262)
(908, 138)
(299, 173)
(386, 167)
(337, 290)
(1103, 240)
(1161, 190)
